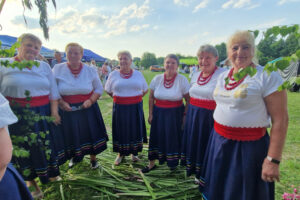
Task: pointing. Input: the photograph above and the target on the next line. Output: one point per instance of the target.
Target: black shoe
(147, 169)
(94, 164)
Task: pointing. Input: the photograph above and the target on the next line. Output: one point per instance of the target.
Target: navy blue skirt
(84, 132)
(165, 135)
(12, 186)
(128, 128)
(42, 161)
(198, 125)
(233, 169)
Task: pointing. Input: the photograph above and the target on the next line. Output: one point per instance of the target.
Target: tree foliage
(278, 42)
(148, 59)
(222, 52)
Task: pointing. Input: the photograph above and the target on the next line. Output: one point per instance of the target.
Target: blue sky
(156, 26)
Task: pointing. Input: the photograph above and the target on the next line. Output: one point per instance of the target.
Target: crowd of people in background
(215, 125)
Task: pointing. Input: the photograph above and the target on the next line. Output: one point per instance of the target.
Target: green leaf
(297, 81)
(282, 64)
(298, 53)
(26, 172)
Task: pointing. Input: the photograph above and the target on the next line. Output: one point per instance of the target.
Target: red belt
(240, 134)
(168, 104)
(203, 103)
(127, 100)
(78, 98)
(33, 102)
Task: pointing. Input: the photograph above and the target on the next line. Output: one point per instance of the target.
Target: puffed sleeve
(97, 85)
(54, 94)
(185, 86)
(144, 83)
(270, 83)
(7, 117)
(153, 83)
(109, 81)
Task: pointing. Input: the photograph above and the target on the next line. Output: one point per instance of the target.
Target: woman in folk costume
(199, 119)
(242, 161)
(82, 124)
(166, 114)
(44, 95)
(127, 87)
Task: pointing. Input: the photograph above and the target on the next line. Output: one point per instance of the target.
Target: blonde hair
(126, 53)
(29, 36)
(73, 44)
(241, 36)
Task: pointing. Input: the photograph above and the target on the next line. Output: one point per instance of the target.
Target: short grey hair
(29, 36)
(173, 56)
(126, 53)
(209, 49)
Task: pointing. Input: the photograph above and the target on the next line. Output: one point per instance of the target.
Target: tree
(160, 60)
(148, 59)
(222, 52)
(42, 6)
(272, 46)
(137, 61)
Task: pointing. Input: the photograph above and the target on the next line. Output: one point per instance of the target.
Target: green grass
(162, 181)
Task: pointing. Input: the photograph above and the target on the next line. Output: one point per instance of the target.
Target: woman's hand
(270, 171)
(57, 119)
(65, 106)
(150, 119)
(87, 103)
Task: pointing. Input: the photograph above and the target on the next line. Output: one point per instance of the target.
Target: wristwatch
(269, 158)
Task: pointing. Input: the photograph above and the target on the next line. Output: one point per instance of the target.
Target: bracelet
(269, 158)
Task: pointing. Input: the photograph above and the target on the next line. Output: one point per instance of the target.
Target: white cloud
(182, 2)
(155, 27)
(281, 2)
(202, 4)
(76, 21)
(227, 4)
(253, 6)
(269, 24)
(136, 28)
(237, 4)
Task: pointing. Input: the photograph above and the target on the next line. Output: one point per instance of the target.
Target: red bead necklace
(126, 75)
(168, 83)
(204, 80)
(232, 82)
(18, 60)
(75, 72)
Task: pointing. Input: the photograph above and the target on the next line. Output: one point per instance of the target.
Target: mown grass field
(125, 181)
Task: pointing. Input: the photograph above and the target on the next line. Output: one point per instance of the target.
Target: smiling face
(74, 55)
(29, 49)
(125, 61)
(170, 65)
(207, 62)
(241, 54)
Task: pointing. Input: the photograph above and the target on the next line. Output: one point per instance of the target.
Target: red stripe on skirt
(33, 102)
(127, 100)
(238, 133)
(203, 103)
(167, 103)
(78, 98)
